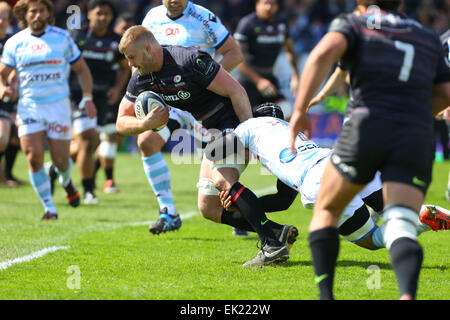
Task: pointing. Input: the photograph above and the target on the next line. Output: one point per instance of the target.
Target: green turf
(117, 258)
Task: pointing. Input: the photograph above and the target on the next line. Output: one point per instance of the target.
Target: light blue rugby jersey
(42, 63)
(268, 138)
(197, 27)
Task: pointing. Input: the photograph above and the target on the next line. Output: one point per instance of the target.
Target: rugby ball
(147, 101)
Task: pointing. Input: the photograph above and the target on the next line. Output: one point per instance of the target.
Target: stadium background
(309, 21)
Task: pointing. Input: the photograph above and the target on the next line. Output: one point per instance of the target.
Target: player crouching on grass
(265, 136)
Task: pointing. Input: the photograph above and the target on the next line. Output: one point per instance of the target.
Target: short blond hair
(4, 6)
(136, 34)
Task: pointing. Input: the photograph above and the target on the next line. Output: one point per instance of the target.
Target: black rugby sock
(88, 184)
(237, 220)
(251, 209)
(109, 173)
(10, 157)
(406, 260)
(324, 244)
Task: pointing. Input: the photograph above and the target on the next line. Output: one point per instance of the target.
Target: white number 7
(408, 59)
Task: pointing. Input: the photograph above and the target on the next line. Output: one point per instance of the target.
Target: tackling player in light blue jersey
(42, 56)
(274, 154)
(266, 137)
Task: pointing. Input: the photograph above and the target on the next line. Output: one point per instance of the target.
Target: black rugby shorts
(403, 152)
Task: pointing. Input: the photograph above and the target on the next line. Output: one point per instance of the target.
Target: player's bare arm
(6, 90)
(128, 124)
(292, 57)
(336, 80)
(122, 79)
(225, 85)
(262, 84)
(231, 54)
(440, 97)
(85, 79)
(329, 50)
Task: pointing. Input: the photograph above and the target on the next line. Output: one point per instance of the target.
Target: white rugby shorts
(310, 189)
(52, 117)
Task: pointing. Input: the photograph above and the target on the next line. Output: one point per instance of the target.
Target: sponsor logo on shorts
(28, 121)
(57, 128)
(345, 168)
(418, 182)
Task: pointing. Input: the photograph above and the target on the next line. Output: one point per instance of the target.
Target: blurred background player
(261, 36)
(110, 78)
(123, 22)
(445, 114)
(9, 141)
(410, 60)
(44, 107)
(182, 23)
(99, 46)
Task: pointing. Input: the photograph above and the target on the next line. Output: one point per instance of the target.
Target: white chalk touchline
(38, 254)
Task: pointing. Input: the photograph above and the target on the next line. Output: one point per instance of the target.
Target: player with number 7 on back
(398, 80)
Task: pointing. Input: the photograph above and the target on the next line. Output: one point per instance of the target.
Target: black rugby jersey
(102, 56)
(3, 41)
(7, 106)
(445, 39)
(182, 81)
(264, 40)
(393, 63)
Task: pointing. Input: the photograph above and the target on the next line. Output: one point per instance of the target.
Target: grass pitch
(106, 252)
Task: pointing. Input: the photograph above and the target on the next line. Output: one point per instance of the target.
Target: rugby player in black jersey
(99, 45)
(9, 141)
(189, 79)
(261, 36)
(399, 79)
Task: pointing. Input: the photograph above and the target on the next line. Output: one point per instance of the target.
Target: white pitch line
(35, 255)
(38, 254)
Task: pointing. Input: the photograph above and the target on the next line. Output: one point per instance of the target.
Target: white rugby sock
(158, 176)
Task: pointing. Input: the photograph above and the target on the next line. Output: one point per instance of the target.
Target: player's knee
(107, 149)
(221, 184)
(34, 156)
(3, 142)
(400, 222)
(206, 187)
(209, 210)
(150, 144)
(208, 203)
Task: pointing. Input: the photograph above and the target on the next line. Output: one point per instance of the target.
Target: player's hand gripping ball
(146, 102)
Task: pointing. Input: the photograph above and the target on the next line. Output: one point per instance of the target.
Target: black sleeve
(243, 30)
(204, 67)
(118, 56)
(343, 24)
(445, 40)
(279, 201)
(443, 68)
(132, 90)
